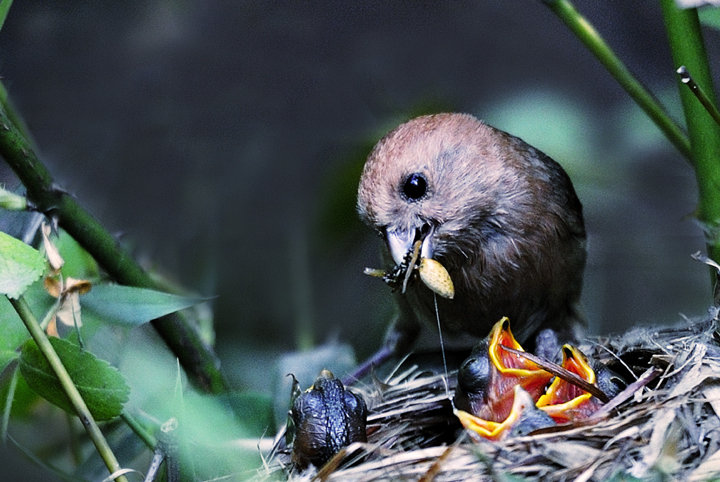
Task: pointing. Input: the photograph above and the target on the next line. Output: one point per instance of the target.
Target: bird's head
(432, 179)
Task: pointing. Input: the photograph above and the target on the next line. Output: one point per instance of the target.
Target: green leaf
(4, 9)
(9, 200)
(134, 306)
(710, 17)
(12, 333)
(6, 356)
(101, 385)
(78, 262)
(20, 266)
(24, 399)
(205, 441)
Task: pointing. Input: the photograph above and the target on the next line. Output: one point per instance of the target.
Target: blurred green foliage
(210, 425)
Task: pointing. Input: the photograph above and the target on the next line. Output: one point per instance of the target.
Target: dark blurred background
(223, 141)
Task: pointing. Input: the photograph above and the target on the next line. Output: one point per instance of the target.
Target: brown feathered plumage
(501, 216)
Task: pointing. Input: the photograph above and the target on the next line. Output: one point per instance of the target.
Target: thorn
(700, 94)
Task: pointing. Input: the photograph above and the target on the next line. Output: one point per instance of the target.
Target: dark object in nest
(669, 427)
(326, 418)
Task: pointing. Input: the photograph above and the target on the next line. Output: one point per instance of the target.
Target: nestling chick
(499, 215)
(327, 418)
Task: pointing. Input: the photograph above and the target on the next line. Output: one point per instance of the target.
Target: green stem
(688, 48)
(7, 407)
(699, 93)
(587, 34)
(81, 409)
(196, 358)
(12, 113)
(139, 430)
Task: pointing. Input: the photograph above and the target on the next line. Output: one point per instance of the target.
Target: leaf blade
(4, 9)
(20, 266)
(132, 305)
(101, 385)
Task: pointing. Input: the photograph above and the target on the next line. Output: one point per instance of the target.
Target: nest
(665, 424)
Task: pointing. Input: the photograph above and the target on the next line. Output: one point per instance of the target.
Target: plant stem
(698, 92)
(688, 48)
(587, 34)
(12, 113)
(139, 430)
(7, 406)
(23, 310)
(196, 358)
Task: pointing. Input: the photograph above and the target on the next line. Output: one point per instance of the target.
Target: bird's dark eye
(414, 187)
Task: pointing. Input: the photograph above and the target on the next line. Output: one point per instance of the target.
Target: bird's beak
(401, 242)
(522, 404)
(509, 370)
(565, 402)
(506, 370)
(513, 380)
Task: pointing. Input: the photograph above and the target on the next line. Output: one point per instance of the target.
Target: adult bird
(498, 214)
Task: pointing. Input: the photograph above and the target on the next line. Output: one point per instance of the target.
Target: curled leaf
(68, 291)
(69, 312)
(53, 255)
(57, 287)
